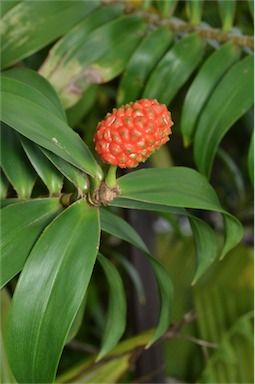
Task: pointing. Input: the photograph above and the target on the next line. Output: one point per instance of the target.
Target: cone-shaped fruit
(132, 132)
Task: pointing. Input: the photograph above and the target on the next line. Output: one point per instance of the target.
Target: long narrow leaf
(177, 187)
(38, 90)
(78, 67)
(206, 80)
(227, 13)
(116, 316)
(31, 25)
(204, 237)
(77, 36)
(115, 225)
(206, 246)
(174, 69)
(50, 291)
(4, 184)
(44, 168)
(40, 124)
(22, 223)
(121, 229)
(105, 68)
(141, 63)
(230, 100)
(6, 376)
(73, 174)
(15, 162)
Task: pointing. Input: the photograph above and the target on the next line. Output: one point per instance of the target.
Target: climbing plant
(64, 66)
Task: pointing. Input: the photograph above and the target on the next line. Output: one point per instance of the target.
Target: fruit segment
(131, 133)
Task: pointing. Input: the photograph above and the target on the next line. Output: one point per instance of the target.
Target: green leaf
(165, 289)
(4, 184)
(37, 120)
(118, 227)
(49, 175)
(31, 25)
(76, 324)
(87, 370)
(77, 70)
(174, 69)
(40, 91)
(251, 7)
(121, 229)
(227, 13)
(194, 11)
(15, 162)
(176, 187)
(116, 316)
(108, 372)
(105, 68)
(233, 171)
(251, 159)
(206, 80)
(230, 100)
(232, 361)
(84, 105)
(73, 174)
(142, 62)
(6, 376)
(133, 275)
(50, 291)
(206, 246)
(65, 46)
(204, 237)
(7, 5)
(22, 223)
(167, 7)
(224, 301)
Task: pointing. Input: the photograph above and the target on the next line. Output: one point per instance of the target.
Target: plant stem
(110, 179)
(177, 25)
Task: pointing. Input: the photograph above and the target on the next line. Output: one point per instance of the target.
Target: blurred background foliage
(215, 344)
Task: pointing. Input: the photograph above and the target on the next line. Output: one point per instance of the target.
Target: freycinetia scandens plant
(86, 93)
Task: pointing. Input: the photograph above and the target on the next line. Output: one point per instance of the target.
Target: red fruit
(132, 132)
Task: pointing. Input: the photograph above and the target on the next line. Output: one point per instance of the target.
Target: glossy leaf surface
(176, 187)
(88, 61)
(174, 69)
(4, 184)
(37, 120)
(117, 308)
(194, 11)
(22, 223)
(206, 246)
(44, 168)
(50, 291)
(121, 229)
(38, 90)
(206, 80)
(15, 162)
(227, 12)
(117, 226)
(230, 100)
(204, 237)
(141, 64)
(31, 25)
(6, 376)
(65, 46)
(73, 174)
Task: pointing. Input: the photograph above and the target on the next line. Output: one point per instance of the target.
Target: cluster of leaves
(56, 58)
